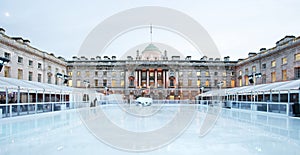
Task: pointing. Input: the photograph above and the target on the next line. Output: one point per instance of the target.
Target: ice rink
(235, 132)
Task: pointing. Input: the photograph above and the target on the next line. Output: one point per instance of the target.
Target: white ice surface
(236, 132)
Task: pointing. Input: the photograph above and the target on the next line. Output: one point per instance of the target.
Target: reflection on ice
(235, 132)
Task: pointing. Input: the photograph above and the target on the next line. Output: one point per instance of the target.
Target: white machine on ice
(144, 101)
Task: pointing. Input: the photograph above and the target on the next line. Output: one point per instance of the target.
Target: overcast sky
(236, 26)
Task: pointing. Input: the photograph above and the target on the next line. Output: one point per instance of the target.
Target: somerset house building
(152, 71)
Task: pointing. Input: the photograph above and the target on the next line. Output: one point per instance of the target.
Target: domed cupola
(151, 52)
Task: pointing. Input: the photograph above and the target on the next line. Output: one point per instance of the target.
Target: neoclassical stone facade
(152, 72)
(280, 63)
(29, 63)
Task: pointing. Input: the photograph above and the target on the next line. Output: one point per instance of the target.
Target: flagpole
(151, 33)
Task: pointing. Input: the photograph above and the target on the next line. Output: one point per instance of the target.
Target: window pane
(39, 77)
(20, 59)
(207, 73)
(198, 83)
(284, 60)
(284, 75)
(232, 83)
(273, 76)
(254, 69)
(189, 83)
(273, 63)
(207, 83)
(96, 83)
(297, 57)
(20, 74)
(30, 76)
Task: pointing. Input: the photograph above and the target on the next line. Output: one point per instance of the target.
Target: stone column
(136, 78)
(126, 79)
(147, 78)
(164, 81)
(155, 77)
(167, 79)
(140, 77)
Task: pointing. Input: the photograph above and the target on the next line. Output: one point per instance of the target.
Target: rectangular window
(105, 73)
(56, 80)
(207, 83)
(273, 76)
(216, 73)
(96, 73)
(264, 66)
(246, 71)
(122, 74)
(96, 83)
(70, 83)
(56, 70)
(264, 78)
(240, 72)
(20, 59)
(207, 73)
(104, 83)
(113, 74)
(198, 73)
(253, 69)
(6, 71)
(232, 83)
(122, 83)
(87, 73)
(224, 83)
(20, 74)
(78, 73)
(144, 76)
(113, 83)
(39, 66)
(189, 82)
(30, 76)
(297, 72)
(7, 55)
(297, 57)
(240, 82)
(180, 74)
(273, 63)
(160, 76)
(180, 83)
(131, 83)
(78, 83)
(284, 75)
(151, 74)
(30, 63)
(224, 73)
(70, 73)
(132, 73)
(198, 83)
(49, 79)
(246, 80)
(284, 61)
(216, 82)
(49, 68)
(190, 74)
(39, 77)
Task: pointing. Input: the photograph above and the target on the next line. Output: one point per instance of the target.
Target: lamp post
(3, 61)
(220, 87)
(86, 83)
(252, 80)
(201, 91)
